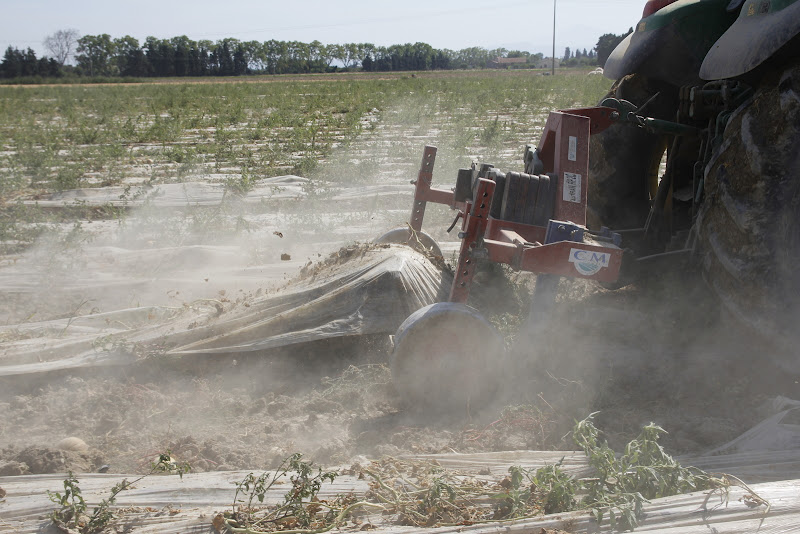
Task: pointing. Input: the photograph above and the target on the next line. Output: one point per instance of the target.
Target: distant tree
(181, 51)
(316, 56)
(471, 58)
(366, 63)
(272, 54)
(100, 55)
(329, 54)
(382, 61)
(495, 53)
(18, 63)
(295, 57)
(29, 63)
(62, 44)
(240, 60)
(201, 58)
(48, 67)
(95, 53)
(366, 49)
(441, 60)
(256, 58)
(353, 52)
(11, 67)
(422, 57)
(160, 55)
(606, 44)
(567, 54)
(222, 59)
(130, 59)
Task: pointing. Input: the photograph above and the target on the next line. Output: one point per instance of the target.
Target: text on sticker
(588, 262)
(572, 187)
(572, 151)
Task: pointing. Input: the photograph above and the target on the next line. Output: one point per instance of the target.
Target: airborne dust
(187, 252)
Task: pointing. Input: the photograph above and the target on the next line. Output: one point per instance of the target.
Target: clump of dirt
(518, 427)
(248, 414)
(310, 270)
(35, 460)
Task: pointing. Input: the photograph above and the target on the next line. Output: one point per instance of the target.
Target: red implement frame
(564, 150)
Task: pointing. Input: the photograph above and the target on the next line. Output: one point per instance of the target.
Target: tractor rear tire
(624, 160)
(748, 238)
(447, 358)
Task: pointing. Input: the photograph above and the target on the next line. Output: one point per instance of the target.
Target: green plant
(57, 138)
(73, 512)
(302, 511)
(490, 133)
(240, 185)
(527, 492)
(423, 494)
(642, 472)
(73, 506)
(554, 488)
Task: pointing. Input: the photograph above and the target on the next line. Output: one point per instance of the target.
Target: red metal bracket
(602, 117)
(565, 258)
(564, 150)
(424, 192)
(474, 228)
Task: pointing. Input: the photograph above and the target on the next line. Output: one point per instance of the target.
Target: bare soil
(636, 355)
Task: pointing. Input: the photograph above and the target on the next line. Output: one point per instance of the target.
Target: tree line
(102, 55)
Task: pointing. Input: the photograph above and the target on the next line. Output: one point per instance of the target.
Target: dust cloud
(89, 305)
(185, 253)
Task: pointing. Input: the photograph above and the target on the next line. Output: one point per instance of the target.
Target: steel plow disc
(447, 357)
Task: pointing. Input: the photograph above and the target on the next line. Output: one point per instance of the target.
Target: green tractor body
(670, 44)
(688, 41)
(763, 29)
(722, 78)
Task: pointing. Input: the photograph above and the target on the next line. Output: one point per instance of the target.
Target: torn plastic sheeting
(387, 285)
(780, 432)
(197, 497)
(359, 291)
(752, 467)
(27, 501)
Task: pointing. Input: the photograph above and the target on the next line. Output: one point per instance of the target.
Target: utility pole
(554, 37)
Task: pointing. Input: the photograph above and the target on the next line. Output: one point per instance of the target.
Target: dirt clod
(72, 444)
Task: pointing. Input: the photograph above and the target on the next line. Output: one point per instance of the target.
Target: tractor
(713, 88)
(693, 155)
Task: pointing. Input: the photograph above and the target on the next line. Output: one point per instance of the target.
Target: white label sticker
(572, 187)
(572, 154)
(588, 262)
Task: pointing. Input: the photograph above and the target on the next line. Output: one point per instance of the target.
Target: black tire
(624, 159)
(419, 241)
(747, 231)
(447, 358)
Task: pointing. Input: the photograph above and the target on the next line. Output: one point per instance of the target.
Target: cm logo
(588, 262)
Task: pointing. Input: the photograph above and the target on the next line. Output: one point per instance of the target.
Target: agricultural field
(134, 137)
(164, 198)
(133, 185)
(76, 160)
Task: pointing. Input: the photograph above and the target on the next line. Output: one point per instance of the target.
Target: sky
(454, 24)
